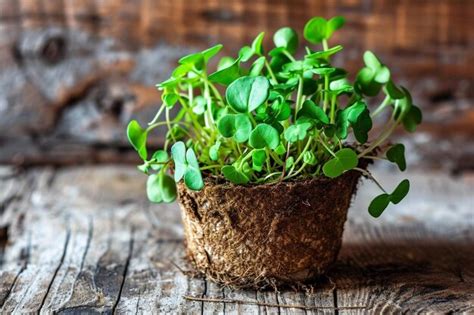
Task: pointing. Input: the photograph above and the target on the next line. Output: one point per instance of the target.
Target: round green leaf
(258, 159)
(153, 189)
(371, 61)
(334, 24)
(297, 132)
(137, 137)
(167, 188)
(199, 105)
(214, 151)
(383, 75)
(193, 179)
(378, 205)
(396, 154)
(170, 99)
(309, 158)
(247, 93)
(400, 192)
(236, 126)
(344, 160)
(313, 111)
(315, 30)
(192, 175)
(160, 156)
(233, 175)
(264, 136)
(393, 91)
(178, 153)
(412, 119)
(226, 75)
(287, 38)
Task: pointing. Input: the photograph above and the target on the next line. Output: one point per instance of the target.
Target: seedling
(266, 116)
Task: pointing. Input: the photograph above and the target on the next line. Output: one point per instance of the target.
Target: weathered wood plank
(88, 242)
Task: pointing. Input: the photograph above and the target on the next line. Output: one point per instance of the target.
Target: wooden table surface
(85, 239)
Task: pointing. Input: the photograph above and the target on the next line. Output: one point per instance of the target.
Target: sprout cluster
(266, 116)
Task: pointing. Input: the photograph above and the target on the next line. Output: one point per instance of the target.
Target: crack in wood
(125, 269)
(58, 267)
(25, 258)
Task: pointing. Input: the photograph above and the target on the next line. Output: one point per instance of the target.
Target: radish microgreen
(266, 116)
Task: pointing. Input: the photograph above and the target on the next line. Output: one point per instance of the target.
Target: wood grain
(73, 73)
(83, 239)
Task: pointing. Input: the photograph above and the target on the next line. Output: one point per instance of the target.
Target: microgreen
(265, 116)
(378, 205)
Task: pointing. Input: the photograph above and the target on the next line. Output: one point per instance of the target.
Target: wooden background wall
(72, 73)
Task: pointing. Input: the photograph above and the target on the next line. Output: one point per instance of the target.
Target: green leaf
(178, 153)
(153, 189)
(313, 111)
(358, 116)
(181, 70)
(365, 81)
(226, 75)
(211, 52)
(192, 175)
(315, 30)
(393, 91)
(371, 60)
(378, 205)
(324, 54)
(396, 154)
(193, 179)
(225, 62)
(214, 151)
(412, 119)
(334, 24)
(383, 75)
(344, 160)
(281, 110)
(236, 126)
(137, 137)
(258, 159)
(341, 86)
(257, 46)
(280, 149)
(170, 99)
(297, 132)
(323, 71)
(233, 175)
(199, 105)
(264, 136)
(309, 158)
(160, 156)
(257, 67)
(400, 192)
(247, 93)
(287, 38)
(245, 53)
(195, 60)
(167, 187)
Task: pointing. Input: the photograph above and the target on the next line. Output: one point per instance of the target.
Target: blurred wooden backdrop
(73, 73)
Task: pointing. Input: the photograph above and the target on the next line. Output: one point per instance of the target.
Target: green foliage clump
(267, 116)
